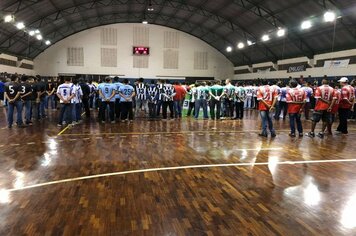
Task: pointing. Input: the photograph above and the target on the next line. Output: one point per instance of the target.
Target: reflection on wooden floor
(303, 198)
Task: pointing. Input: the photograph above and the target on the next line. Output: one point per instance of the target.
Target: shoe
(300, 135)
(103, 122)
(320, 135)
(310, 134)
(263, 135)
(59, 125)
(9, 126)
(273, 135)
(113, 122)
(29, 123)
(292, 135)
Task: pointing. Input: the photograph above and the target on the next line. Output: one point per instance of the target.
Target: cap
(343, 80)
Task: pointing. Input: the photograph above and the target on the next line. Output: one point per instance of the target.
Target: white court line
(174, 168)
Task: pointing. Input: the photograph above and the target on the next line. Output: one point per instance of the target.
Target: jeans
(152, 108)
(28, 108)
(198, 104)
(191, 108)
(65, 113)
(111, 110)
(239, 110)
(76, 111)
(126, 110)
(178, 105)
(266, 117)
(229, 108)
(281, 106)
(159, 105)
(248, 102)
(50, 100)
(343, 116)
(10, 112)
(165, 106)
(215, 103)
(42, 107)
(85, 101)
(117, 108)
(306, 110)
(295, 118)
(141, 104)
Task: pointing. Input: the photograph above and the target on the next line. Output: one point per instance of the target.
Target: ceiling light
(145, 22)
(329, 16)
(265, 38)
(48, 42)
(39, 37)
(249, 43)
(306, 24)
(20, 25)
(9, 18)
(150, 8)
(281, 32)
(240, 45)
(229, 49)
(37, 32)
(31, 33)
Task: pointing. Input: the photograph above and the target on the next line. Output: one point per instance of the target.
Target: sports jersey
(249, 91)
(141, 91)
(200, 92)
(180, 92)
(152, 92)
(283, 94)
(216, 90)
(106, 91)
(266, 93)
(240, 94)
(65, 90)
(347, 93)
(325, 92)
(309, 92)
(41, 87)
(229, 91)
(169, 92)
(78, 93)
(295, 95)
(160, 89)
(24, 89)
(12, 89)
(127, 91)
(118, 85)
(335, 108)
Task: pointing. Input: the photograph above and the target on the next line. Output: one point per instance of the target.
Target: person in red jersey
(296, 99)
(335, 107)
(346, 104)
(326, 98)
(267, 97)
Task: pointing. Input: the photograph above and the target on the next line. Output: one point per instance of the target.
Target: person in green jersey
(215, 91)
(201, 95)
(240, 96)
(229, 92)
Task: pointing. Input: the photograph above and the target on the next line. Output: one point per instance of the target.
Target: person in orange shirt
(346, 105)
(326, 98)
(267, 98)
(178, 99)
(296, 99)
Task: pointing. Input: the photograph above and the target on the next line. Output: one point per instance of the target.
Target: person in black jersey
(26, 94)
(41, 96)
(85, 99)
(12, 95)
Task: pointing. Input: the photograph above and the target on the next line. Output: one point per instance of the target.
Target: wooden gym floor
(175, 178)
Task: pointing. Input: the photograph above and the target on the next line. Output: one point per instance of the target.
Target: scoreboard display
(140, 50)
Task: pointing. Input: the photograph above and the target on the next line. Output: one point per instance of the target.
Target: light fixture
(281, 32)
(20, 25)
(9, 18)
(150, 7)
(145, 22)
(240, 45)
(229, 49)
(39, 37)
(329, 16)
(306, 24)
(48, 42)
(265, 38)
(249, 43)
(31, 33)
(37, 32)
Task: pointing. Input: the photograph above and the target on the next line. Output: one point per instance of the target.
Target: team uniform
(141, 98)
(77, 102)
(126, 92)
(65, 91)
(307, 106)
(240, 96)
(152, 94)
(282, 104)
(201, 94)
(117, 100)
(178, 100)
(229, 91)
(167, 98)
(191, 100)
(296, 98)
(321, 107)
(249, 90)
(347, 93)
(26, 95)
(12, 91)
(267, 94)
(107, 89)
(42, 95)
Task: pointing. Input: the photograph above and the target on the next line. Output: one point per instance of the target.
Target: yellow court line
(62, 131)
(174, 168)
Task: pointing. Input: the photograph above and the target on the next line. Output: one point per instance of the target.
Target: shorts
(322, 115)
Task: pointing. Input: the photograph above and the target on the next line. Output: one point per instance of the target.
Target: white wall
(54, 60)
(12, 70)
(314, 72)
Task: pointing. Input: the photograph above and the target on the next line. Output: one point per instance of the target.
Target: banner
(298, 68)
(263, 71)
(337, 63)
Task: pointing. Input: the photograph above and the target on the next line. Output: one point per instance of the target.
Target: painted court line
(174, 168)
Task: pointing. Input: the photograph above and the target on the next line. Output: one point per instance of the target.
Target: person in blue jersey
(107, 92)
(126, 92)
(117, 97)
(152, 93)
(65, 95)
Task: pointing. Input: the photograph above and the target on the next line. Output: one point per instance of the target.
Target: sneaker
(103, 122)
(292, 135)
(263, 135)
(310, 134)
(320, 135)
(9, 126)
(29, 123)
(300, 135)
(113, 122)
(59, 125)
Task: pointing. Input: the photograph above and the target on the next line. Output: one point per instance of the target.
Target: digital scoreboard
(140, 50)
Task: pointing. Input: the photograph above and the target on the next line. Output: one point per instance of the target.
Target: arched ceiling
(220, 23)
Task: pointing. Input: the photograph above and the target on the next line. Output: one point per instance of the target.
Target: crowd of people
(116, 100)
